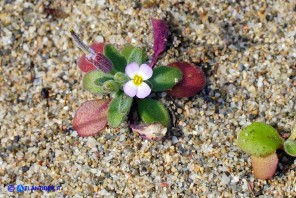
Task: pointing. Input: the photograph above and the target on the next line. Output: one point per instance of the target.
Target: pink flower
(136, 86)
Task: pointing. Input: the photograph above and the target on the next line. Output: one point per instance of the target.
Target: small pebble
(175, 140)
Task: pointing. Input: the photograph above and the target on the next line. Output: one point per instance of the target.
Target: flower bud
(110, 86)
(121, 78)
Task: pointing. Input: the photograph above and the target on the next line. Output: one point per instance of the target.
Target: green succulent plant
(126, 78)
(261, 141)
(151, 111)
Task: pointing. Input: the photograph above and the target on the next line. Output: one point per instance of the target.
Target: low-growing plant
(261, 141)
(126, 77)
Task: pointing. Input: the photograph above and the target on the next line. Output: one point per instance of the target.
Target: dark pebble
(176, 132)
(241, 67)
(108, 136)
(25, 169)
(144, 169)
(182, 149)
(44, 93)
(16, 138)
(269, 17)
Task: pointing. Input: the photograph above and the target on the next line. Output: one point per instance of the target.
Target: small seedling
(261, 141)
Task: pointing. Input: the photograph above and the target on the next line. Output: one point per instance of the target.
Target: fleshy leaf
(192, 82)
(126, 51)
(259, 139)
(150, 131)
(165, 78)
(90, 81)
(265, 167)
(290, 147)
(85, 65)
(119, 108)
(91, 117)
(160, 35)
(125, 104)
(118, 60)
(152, 111)
(138, 56)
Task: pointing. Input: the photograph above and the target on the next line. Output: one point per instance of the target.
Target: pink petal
(130, 89)
(145, 71)
(132, 69)
(143, 90)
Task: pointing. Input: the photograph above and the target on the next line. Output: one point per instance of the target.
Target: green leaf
(165, 78)
(90, 81)
(125, 104)
(259, 139)
(153, 111)
(138, 56)
(119, 108)
(290, 147)
(127, 50)
(118, 60)
(101, 81)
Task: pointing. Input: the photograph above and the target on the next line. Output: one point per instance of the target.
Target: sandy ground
(247, 50)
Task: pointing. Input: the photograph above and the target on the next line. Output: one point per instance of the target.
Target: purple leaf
(91, 117)
(100, 62)
(193, 80)
(160, 34)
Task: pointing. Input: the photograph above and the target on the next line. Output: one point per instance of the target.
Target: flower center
(138, 80)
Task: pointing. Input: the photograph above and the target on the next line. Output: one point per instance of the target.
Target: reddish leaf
(265, 167)
(84, 64)
(160, 34)
(193, 80)
(91, 117)
(154, 131)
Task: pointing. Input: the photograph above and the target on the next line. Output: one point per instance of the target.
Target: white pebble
(245, 186)
(175, 140)
(99, 39)
(225, 180)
